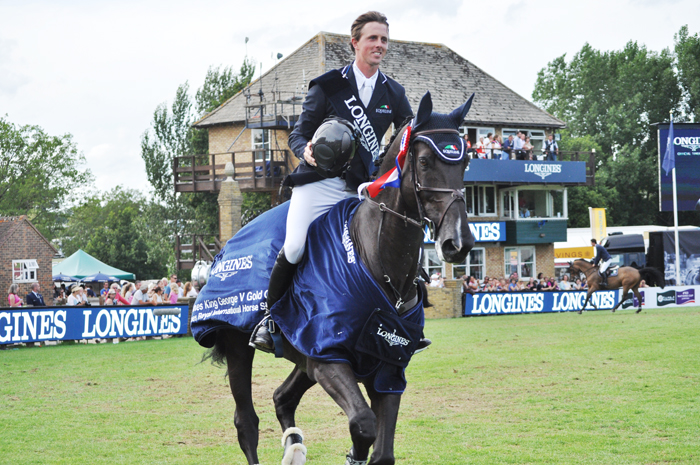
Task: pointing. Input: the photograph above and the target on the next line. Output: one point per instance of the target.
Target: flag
(392, 178)
(670, 156)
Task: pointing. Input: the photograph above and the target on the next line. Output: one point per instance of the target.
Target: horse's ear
(425, 109)
(458, 114)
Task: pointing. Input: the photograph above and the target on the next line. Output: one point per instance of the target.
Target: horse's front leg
(625, 290)
(639, 298)
(287, 398)
(239, 363)
(386, 408)
(588, 297)
(338, 380)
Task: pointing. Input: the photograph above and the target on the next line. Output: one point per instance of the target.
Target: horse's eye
(423, 161)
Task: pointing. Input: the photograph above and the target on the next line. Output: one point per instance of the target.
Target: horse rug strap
(330, 314)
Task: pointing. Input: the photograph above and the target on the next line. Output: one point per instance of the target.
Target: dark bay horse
(627, 278)
(387, 233)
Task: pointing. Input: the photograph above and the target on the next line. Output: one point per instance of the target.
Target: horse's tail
(658, 277)
(217, 354)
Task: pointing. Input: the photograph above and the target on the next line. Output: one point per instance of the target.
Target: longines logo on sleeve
(392, 338)
(542, 170)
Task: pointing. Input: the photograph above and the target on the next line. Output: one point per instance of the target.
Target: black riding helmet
(333, 145)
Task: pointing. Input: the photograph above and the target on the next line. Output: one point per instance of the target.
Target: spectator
(484, 285)
(165, 287)
(189, 290)
(507, 148)
(118, 298)
(473, 284)
(110, 300)
(496, 144)
(157, 296)
(643, 283)
(13, 298)
(127, 293)
(539, 278)
(527, 147)
(513, 285)
(83, 296)
(34, 298)
(532, 285)
(564, 284)
(471, 153)
(174, 293)
(578, 285)
(481, 153)
(89, 292)
(551, 148)
(436, 280)
(104, 290)
(140, 297)
(518, 144)
(74, 299)
(180, 290)
(488, 145)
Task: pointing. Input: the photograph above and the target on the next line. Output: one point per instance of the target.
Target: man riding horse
(328, 173)
(603, 257)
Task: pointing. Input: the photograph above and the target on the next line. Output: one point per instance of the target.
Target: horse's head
(433, 178)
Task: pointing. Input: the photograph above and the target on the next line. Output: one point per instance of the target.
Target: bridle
(455, 195)
(585, 272)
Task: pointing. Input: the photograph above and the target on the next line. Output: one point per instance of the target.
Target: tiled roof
(9, 223)
(418, 66)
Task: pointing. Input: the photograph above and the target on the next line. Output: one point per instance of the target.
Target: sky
(99, 69)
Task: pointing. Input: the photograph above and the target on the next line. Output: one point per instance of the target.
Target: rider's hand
(309, 155)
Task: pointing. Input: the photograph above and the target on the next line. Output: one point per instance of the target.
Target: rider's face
(372, 46)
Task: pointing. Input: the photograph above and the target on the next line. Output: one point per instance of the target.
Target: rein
(423, 219)
(585, 272)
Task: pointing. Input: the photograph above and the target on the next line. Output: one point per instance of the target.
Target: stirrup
(261, 338)
(423, 344)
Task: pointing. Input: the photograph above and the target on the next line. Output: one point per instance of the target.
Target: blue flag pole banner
(670, 155)
(30, 324)
(508, 303)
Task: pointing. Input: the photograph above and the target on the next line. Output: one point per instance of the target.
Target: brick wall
(25, 243)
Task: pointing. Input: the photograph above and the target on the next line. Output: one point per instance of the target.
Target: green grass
(556, 388)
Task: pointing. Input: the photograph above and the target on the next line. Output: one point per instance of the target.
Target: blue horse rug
(333, 312)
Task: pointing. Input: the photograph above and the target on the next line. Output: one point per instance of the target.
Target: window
(469, 199)
(24, 271)
(520, 260)
(261, 141)
(472, 266)
(524, 203)
(487, 200)
(432, 263)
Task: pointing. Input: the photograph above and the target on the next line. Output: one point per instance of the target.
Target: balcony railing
(255, 170)
(192, 248)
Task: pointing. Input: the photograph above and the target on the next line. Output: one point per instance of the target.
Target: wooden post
(230, 205)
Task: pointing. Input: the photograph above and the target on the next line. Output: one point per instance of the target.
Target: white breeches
(308, 203)
(604, 266)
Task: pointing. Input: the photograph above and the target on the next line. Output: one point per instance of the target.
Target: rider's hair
(594, 241)
(359, 23)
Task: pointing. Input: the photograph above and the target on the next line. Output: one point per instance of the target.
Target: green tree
(609, 99)
(122, 229)
(38, 174)
(172, 135)
(688, 63)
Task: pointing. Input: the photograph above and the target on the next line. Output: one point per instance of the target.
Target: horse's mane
(380, 159)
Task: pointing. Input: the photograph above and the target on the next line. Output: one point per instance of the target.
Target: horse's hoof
(580, 312)
(613, 310)
(638, 311)
(294, 450)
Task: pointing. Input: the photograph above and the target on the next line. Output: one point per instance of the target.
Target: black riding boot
(280, 280)
(604, 278)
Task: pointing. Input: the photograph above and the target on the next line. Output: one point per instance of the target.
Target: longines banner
(686, 142)
(541, 172)
(73, 323)
(503, 303)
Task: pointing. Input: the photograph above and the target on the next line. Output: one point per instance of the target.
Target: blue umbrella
(99, 278)
(64, 278)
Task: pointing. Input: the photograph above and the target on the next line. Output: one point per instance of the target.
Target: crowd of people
(472, 285)
(162, 292)
(518, 147)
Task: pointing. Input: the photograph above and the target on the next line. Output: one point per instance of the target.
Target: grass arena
(549, 388)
